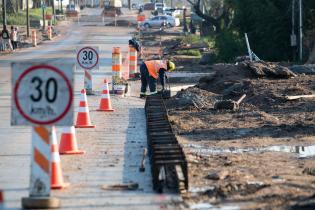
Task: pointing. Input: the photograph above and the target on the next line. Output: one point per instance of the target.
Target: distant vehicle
(72, 10)
(171, 12)
(72, 7)
(149, 6)
(159, 7)
(161, 20)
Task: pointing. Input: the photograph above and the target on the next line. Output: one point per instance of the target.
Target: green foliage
(191, 39)
(268, 26)
(20, 17)
(189, 52)
(228, 46)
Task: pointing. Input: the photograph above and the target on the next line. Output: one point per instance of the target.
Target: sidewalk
(113, 154)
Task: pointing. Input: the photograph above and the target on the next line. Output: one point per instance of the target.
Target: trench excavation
(167, 158)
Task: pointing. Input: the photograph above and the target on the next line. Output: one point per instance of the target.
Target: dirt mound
(229, 76)
(191, 97)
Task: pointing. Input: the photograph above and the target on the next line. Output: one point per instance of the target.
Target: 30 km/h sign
(42, 94)
(88, 57)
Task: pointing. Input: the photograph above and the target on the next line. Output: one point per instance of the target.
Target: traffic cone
(56, 177)
(83, 119)
(105, 104)
(68, 142)
(1, 200)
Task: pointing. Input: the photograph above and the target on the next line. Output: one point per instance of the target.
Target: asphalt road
(113, 148)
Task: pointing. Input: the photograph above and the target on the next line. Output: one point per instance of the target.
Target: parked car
(161, 20)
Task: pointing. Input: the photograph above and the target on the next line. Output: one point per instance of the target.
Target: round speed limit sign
(87, 57)
(42, 94)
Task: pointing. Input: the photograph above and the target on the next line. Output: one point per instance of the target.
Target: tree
(217, 14)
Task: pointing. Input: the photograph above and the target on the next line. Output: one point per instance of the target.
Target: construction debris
(229, 104)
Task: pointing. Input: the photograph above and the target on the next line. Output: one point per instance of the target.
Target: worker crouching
(151, 71)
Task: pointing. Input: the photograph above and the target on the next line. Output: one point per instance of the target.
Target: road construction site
(246, 129)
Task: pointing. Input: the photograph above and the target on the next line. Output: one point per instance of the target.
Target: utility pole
(4, 15)
(301, 31)
(27, 20)
(53, 11)
(43, 11)
(293, 34)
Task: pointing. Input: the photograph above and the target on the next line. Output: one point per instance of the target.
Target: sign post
(42, 97)
(88, 59)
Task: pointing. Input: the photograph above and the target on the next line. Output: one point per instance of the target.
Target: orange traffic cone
(83, 119)
(1, 200)
(68, 142)
(56, 177)
(105, 104)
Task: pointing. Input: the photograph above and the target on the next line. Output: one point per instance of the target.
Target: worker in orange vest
(150, 72)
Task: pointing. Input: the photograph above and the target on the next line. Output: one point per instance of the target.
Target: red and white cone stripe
(83, 106)
(105, 92)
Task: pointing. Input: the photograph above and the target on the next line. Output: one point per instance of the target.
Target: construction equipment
(251, 54)
(229, 104)
(166, 92)
(112, 8)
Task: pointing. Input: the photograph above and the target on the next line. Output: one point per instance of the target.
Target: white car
(160, 20)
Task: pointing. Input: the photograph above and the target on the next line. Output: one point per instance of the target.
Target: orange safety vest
(154, 67)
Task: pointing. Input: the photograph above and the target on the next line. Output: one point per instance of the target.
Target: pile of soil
(191, 97)
(263, 180)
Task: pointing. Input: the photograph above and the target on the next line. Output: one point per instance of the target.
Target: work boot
(142, 95)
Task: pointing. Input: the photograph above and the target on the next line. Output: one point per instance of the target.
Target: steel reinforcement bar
(167, 158)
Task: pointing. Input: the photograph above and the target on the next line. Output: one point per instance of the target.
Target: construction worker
(150, 72)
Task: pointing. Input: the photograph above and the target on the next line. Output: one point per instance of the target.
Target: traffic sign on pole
(42, 94)
(88, 60)
(88, 57)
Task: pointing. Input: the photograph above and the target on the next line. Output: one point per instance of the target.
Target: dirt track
(258, 157)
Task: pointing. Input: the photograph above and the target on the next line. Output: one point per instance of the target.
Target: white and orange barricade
(49, 32)
(116, 64)
(56, 176)
(105, 104)
(68, 142)
(34, 38)
(88, 82)
(83, 118)
(40, 171)
(125, 65)
(133, 55)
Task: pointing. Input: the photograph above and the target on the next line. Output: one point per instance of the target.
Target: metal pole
(27, 19)
(4, 15)
(53, 11)
(43, 11)
(301, 31)
(248, 48)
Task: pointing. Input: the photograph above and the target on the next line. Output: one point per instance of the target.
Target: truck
(112, 8)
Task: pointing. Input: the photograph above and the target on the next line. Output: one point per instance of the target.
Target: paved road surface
(113, 149)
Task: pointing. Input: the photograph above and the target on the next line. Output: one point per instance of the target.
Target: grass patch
(20, 17)
(189, 52)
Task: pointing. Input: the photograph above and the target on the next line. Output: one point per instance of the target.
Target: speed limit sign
(42, 94)
(88, 57)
